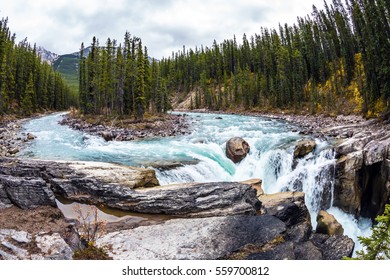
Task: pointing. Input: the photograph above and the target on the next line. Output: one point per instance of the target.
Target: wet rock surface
(327, 224)
(237, 149)
(127, 130)
(303, 148)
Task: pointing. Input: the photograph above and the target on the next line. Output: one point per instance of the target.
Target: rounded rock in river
(237, 149)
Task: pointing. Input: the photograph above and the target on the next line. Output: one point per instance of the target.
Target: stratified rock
(303, 148)
(27, 193)
(190, 200)
(347, 190)
(327, 224)
(121, 187)
(237, 149)
(116, 174)
(205, 238)
(4, 199)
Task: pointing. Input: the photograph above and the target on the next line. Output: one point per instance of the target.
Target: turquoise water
(203, 154)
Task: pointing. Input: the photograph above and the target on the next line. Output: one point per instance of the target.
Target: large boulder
(237, 149)
(303, 148)
(327, 224)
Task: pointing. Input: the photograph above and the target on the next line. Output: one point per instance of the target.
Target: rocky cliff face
(362, 185)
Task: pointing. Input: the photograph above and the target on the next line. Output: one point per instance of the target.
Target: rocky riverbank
(11, 139)
(127, 130)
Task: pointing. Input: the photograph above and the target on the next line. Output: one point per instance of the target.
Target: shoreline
(318, 126)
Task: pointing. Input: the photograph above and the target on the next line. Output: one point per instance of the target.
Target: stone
(200, 238)
(283, 251)
(256, 184)
(6, 256)
(18, 236)
(303, 148)
(16, 251)
(288, 206)
(107, 135)
(30, 136)
(307, 251)
(117, 174)
(327, 224)
(27, 193)
(121, 187)
(334, 247)
(54, 247)
(237, 149)
(13, 151)
(189, 200)
(347, 188)
(299, 232)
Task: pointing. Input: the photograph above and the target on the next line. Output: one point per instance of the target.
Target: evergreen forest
(335, 61)
(28, 85)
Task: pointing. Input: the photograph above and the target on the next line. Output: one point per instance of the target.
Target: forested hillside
(337, 61)
(27, 84)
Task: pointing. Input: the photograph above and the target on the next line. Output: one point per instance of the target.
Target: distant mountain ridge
(46, 55)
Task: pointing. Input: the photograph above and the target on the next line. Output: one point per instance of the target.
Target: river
(202, 157)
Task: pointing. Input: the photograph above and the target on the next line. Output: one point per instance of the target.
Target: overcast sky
(164, 25)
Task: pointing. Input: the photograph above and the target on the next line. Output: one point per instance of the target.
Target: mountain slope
(68, 65)
(46, 55)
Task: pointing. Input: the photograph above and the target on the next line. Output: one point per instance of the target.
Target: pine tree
(26, 102)
(139, 95)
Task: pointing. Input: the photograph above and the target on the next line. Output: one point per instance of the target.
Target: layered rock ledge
(29, 184)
